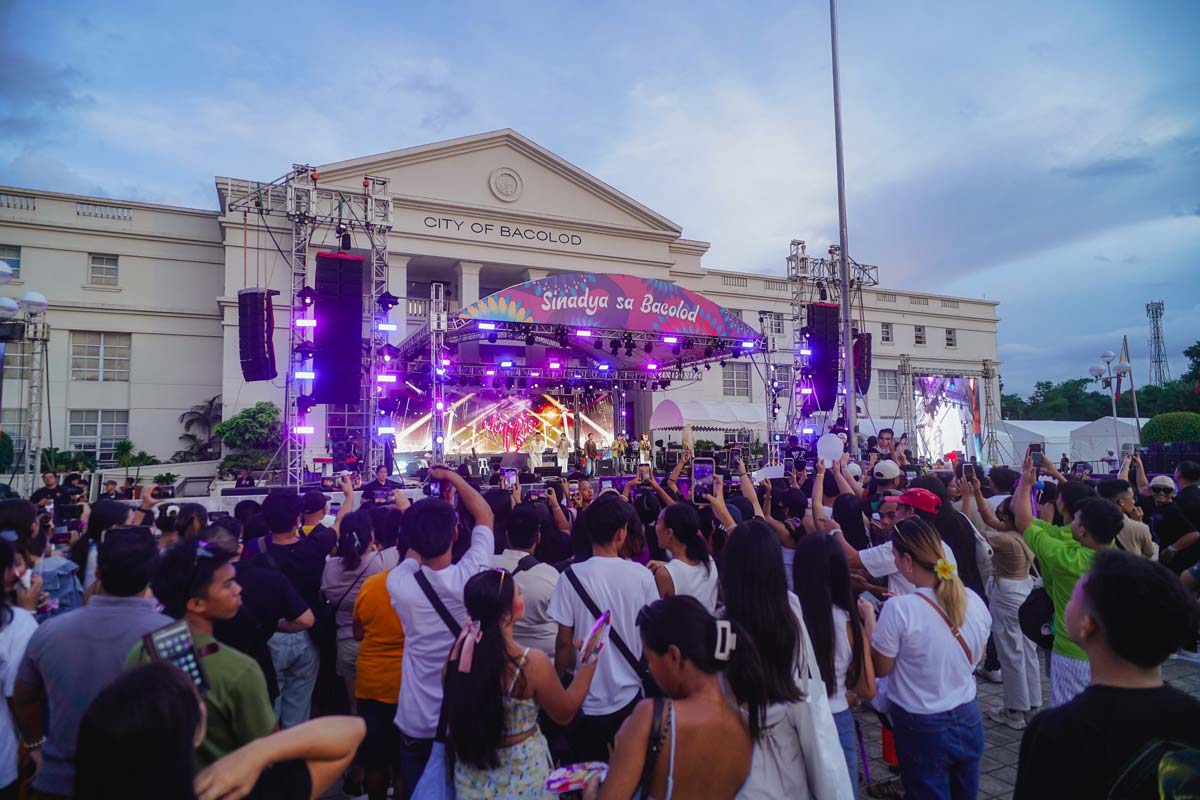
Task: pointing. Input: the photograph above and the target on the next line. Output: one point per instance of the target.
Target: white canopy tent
(1053, 435)
(1093, 440)
(703, 415)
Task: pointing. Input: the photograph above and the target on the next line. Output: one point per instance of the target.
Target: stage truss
(989, 397)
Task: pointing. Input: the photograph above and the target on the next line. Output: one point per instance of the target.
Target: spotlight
(804, 351)
(602, 367)
(613, 344)
(529, 339)
(583, 332)
(506, 364)
(306, 323)
(649, 347)
(305, 375)
(387, 301)
(305, 351)
(806, 390)
(306, 296)
(722, 363)
(389, 353)
(387, 326)
(652, 366)
(303, 429)
(807, 431)
(386, 429)
(486, 326)
(385, 378)
(305, 403)
(708, 352)
(747, 345)
(491, 337)
(670, 340)
(629, 352)
(675, 350)
(707, 367)
(598, 344)
(555, 365)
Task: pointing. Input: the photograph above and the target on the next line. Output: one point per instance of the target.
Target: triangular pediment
(501, 170)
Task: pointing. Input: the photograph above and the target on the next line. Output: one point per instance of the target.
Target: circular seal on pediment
(506, 184)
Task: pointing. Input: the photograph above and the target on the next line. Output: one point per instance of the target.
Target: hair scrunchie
(464, 647)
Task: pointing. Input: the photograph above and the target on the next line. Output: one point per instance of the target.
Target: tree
(6, 452)
(1012, 406)
(141, 459)
(1193, 355)
(1177, 426)
(204, 417)
(123, 454)
(254, 433)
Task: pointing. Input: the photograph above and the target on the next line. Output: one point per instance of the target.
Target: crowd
(469, 642)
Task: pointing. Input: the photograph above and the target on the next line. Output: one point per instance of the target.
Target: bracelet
(30, 746)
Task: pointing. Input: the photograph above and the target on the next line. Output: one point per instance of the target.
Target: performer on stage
(592, 453)
(563, 448)
(646, 449)
(620, 451)
(536, 445)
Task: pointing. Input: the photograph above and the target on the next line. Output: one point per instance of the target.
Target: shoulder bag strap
(528, 562)
(654, 744)
(262, 546)
(357, 578)
(953, 628)
(438, 605)
(594, 609)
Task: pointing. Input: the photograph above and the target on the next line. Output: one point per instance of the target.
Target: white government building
(143, 297)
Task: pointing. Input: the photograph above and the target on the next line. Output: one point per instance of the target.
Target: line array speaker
(338, 338)
(256, 328)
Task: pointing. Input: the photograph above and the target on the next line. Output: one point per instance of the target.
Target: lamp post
(1106, 376)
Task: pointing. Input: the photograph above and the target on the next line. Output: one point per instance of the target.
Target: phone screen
(435, 489)
(702, 478)
(508, 477)
(644, 471)
(1036, 451)
(573, 488)
(735, 454)
(535, 492)
(789, 464)
(174, 643)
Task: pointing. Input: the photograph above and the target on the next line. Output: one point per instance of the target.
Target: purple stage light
(555, 365)
(441, 370)
(303, 429)
(583, 332)
(489, 372)
(386, 429)
(806, 352)
(807, 431)
(386, 378)
(806, 390)
(387, 326)
(534, 374)
(652, 366)
(506, 364)
(747, 345)
(306, 323)
(602, 367)
(486, 326)
(440, 438)
(670, 340)
(302, 375)
(445, 362)
(441, 406)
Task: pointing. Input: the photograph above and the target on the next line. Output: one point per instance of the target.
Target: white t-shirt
(696, 581)
(535, 629)
(932, 673)
(880, 561)
(789, 558)
(13, 639)
(427, 640)
(624, 588)
(841, 660)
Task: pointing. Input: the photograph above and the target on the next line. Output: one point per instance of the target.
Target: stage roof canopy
(705, 415)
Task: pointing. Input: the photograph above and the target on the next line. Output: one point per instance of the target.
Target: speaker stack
(862, 362)
(823, 321)
(338, 338)
(256, 329)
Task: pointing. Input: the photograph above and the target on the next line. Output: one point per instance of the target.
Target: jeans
(939, 753)
(295, 658)
(1019, 666)
(590, 737)
(844, 720)
(414, 754)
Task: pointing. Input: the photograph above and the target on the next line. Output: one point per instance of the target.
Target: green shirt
(239, 708)
(1063, 561)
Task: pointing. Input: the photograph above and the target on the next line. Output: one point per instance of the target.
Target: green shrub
(1174, 426)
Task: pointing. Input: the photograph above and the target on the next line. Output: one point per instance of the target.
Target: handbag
(1036, 617)
(823, 761)
(649, 687)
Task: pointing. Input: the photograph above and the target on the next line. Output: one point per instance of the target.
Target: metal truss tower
(37, 334)
(1160, 370)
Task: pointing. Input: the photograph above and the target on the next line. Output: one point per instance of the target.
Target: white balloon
(6, 275)
(34, 302)
(8, 308)
(830, 448)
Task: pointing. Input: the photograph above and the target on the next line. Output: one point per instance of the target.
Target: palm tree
(203, 416)
(123, 454)
(139, 460)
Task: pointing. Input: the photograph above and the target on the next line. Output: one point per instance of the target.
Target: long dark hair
(821, 577)
(684, 524)
(848, 513)
(7, 557)
(473, 702)
(356, 536)
(105, 514)
(136, 737)
(956, 530)
(681, 621)
(754, 586)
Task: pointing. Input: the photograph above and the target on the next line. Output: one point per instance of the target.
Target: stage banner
(610, 301)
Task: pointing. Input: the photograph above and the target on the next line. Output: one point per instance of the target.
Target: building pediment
(500, 174)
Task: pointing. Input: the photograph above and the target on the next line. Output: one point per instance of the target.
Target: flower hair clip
(944, 569)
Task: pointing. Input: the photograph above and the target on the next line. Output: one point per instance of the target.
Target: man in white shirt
(432, 527)
(880, 561)
(622, 588)
(536, 580)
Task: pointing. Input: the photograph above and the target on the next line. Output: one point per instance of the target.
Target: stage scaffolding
(989, 396)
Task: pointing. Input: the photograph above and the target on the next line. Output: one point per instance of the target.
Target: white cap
(854, 469)
(886, 470)
(1163, 480)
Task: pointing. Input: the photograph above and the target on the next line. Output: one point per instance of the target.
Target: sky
(1044, 155)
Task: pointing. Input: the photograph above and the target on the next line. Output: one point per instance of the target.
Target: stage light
(722, 363)
(670, 340)
(441, 370)
(305, 375)
(440, 439)
(629, 352)
(307, 296)
(707, 367)
(583, 332)
(305, 350)
(530, 341)
(389, 353)
(602, 367)
(534, 373)
(385, 378)
(598, 344)
(807, 431)
(652, 366)
(387, 326)
(642, 385)
(306, 323)
(695, 370)
(804, 351)
(675, 350)
(708, 351)
(806, 390)
(747, 345)
(555, 365)
(486, 326)
(613, 344)
(776, 385)
(506, 364)
(806, 332)
(489, 372)
(509, 383)
(491, 337)
(445, 362)
(441, 405)
(387, 301)
(386, 429)
(305, 404)
(303, 429)
(649, 347)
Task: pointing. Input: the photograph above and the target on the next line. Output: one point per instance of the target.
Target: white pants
(1068, 677)
(1018, 655)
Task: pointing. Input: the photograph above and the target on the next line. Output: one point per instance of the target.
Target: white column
(468, 282)
(398, 285)
(533, 274)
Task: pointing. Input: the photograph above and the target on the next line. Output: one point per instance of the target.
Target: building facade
(143, 298)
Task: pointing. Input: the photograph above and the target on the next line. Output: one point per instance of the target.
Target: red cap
(920, 499)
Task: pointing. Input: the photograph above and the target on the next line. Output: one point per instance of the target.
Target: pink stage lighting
(441, 406)
(386, 378)
(489, 372)
(670, 340)
(555, 365)
(652, 366)
(445, 362)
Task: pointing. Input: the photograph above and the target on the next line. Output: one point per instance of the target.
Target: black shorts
(380, 748)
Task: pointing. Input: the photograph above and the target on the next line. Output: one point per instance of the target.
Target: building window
(918, 301)
(733, 280)
(12, 422)
(12, 256)
(886, 334)
(918, 334)
(736, 380)
(17, 360)
(885, 297)
(102, 270)
(949, 304)
(772, 323)
(99, 356)
(97, 433)
(736, 312)
(781, 374)
(889, 384)
(951, 337)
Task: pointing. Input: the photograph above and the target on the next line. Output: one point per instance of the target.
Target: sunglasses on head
(1162, 489)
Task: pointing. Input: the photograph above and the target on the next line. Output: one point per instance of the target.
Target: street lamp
(1105, 375)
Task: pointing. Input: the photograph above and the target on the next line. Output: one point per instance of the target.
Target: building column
(533, 274)
(468, 282)
(398, 285)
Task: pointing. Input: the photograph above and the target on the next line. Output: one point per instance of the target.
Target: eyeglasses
(1162, 489)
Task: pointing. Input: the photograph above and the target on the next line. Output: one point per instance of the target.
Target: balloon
(830, 448)
(8, 308)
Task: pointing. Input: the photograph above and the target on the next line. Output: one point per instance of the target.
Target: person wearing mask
(537, 581)
(927, 643)
(1128, 615)
(197, 583)
(702, 745)
(1135, 535)
(612, 584)
(55, 683)
(377, 685)
(1064, 554)
(690, 570)
(138, 737)
(17, 626)
(426, 591)
(494, 689)
(840, 629)
(358, 558)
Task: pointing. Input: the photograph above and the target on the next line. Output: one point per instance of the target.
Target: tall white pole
(844, 275)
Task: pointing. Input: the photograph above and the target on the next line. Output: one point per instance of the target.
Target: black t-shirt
(286, 780)
(303, 562)
(1167, 524)
(1081, 748)
(111, 496)
(1188, 501)
(53, 494)
(375, 490)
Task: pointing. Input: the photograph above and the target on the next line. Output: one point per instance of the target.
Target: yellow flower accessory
(944, 569)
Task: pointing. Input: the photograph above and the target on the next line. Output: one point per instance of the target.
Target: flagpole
(1133, 390)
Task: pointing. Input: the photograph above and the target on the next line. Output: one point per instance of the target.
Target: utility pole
(844, 273)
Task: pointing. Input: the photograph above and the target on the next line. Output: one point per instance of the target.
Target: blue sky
(1046, 155)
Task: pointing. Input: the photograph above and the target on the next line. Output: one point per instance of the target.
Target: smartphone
(735, 454)
(969, 472)
(433, 488)
(1035, 451)
(702, 479)
(334, 507)
(534, 492)
(593, 638)
(174, 643)
(606, 485)
(508, 478)
(573, 488)
(789, 464)
(644, 471)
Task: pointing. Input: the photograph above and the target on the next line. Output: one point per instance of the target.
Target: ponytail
(684, 522)
(354, 539)
(920, 540)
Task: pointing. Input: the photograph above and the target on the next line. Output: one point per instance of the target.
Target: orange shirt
(382, 648)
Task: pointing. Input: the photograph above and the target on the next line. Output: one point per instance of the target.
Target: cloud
(1109, 168)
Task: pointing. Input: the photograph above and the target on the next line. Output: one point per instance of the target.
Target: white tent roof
(1091, 442)
(707, 416)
